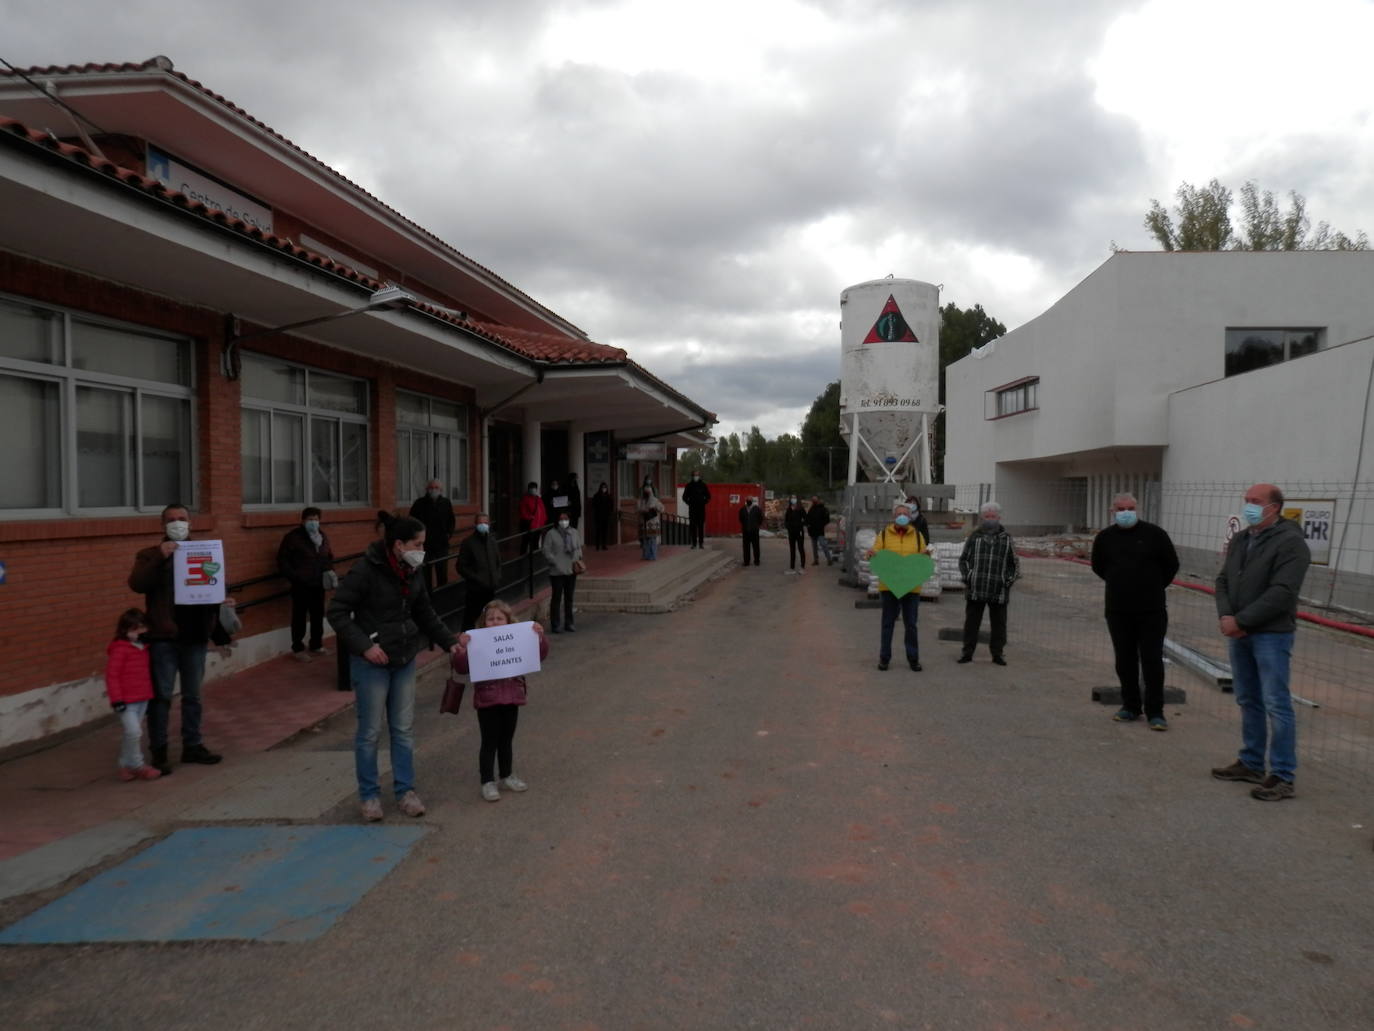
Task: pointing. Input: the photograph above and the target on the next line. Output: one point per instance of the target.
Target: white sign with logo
(1318, 522)
(198, 576)
(172, 174)
(497, 652)
(646, 451)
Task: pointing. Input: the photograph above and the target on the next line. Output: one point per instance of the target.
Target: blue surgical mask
(1253, 513)
(312, 526)
(1126, 518)
(903, 520)
(483, 527)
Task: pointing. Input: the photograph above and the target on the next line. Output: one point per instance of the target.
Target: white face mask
(414, 559)
(177, 530)
(563, 524)
(433, 492)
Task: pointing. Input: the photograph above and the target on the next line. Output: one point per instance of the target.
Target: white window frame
(69, 379)
(461, 445)
(308, 415)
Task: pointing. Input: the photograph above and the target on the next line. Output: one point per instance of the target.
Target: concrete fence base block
(953, 633)
(1112, 695)
(865, 603)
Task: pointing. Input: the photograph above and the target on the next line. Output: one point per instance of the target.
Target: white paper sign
(496, 652)
(198, 576)
(561, 501)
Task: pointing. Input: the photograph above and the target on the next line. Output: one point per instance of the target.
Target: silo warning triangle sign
(891, 327)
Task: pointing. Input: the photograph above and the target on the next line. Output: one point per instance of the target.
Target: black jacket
(479, 561)
(372, 605)
(603, 506)
(1261, 577)
(696, 497)
(794, 518)
(301, 562)
(437, 515)
(1137, 564)
(750, 518)
(168, 621)
(817, 518)
(574, 501)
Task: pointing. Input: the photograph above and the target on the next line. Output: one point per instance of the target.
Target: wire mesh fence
(1058, 604)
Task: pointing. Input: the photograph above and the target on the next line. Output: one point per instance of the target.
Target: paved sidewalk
(71, 788)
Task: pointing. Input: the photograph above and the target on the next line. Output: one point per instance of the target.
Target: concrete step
(654, 590)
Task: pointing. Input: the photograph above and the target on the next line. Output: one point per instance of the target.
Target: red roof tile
(164, 65)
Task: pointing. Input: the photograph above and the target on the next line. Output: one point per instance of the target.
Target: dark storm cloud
(659, 209)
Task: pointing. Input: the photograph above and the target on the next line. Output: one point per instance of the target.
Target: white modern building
(1181, 377)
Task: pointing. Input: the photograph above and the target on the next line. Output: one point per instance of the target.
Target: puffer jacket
(1261, 577)
(373, 605)
(128, 674)
(506, 691)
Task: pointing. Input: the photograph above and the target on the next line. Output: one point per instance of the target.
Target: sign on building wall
(646, 451)
(596, 448)
(1318, 522)
(172, 174)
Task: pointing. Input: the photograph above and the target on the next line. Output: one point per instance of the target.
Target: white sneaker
(490, 792)
(514, 783)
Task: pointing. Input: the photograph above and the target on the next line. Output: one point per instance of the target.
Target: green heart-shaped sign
(210, 568)
(901, 574)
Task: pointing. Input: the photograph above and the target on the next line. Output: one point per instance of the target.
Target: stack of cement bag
(863, 540)
(946, 556)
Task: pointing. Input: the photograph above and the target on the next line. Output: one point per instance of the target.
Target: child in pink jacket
(129, 683)
(498, 707)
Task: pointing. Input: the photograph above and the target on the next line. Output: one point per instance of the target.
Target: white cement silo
(890, 377)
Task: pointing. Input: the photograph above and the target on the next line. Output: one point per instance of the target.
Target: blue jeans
(383, 690)
(1259, 674)
(167, 659)
(649, 545)
(909, 605)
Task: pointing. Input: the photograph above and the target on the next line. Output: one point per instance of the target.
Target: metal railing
(524, 572)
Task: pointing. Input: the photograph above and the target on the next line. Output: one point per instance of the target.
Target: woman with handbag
(562, 549)
(383, 616)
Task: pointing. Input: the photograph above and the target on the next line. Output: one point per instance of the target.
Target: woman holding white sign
(498, 702)
(562, 547)
(383, 616)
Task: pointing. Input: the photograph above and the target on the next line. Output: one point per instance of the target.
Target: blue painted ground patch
(283, 884)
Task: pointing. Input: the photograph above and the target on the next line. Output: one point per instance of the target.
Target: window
(304, 435)
(1248, 349)
(98, 415)
(1023, 395)
(431, 444)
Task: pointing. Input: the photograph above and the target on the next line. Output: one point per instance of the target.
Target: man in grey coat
(1257, 605)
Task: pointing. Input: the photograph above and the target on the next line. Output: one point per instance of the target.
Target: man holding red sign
(177, 638)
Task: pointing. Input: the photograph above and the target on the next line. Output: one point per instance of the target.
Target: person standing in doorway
(574, 501)
(436, 512)
(901, 538)
(794, 519)
(603, 515)
(696, 496)
(533, 517)
(649, 508)
(177, 638)
(305, 559)
(988, 567)
(1257, 609)
(479, 564)
(817, 519)
(1138, 561)
(750, 523)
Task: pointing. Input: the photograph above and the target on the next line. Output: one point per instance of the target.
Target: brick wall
(67, 578)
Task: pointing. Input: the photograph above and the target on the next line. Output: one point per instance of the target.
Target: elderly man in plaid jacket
(988, 567)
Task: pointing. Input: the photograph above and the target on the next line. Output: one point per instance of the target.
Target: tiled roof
(539, 347)
(162, 64)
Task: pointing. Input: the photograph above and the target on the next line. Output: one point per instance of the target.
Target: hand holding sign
(497, 652)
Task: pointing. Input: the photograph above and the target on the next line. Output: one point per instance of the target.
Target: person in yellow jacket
(902, 537)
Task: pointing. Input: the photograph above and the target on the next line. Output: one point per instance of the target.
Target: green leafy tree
(1202, 222)
(824, 451)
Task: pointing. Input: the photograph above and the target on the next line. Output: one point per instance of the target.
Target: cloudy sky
(697, 182)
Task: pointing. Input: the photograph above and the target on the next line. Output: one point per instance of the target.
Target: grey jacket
(1261, 577)
(556, 552)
